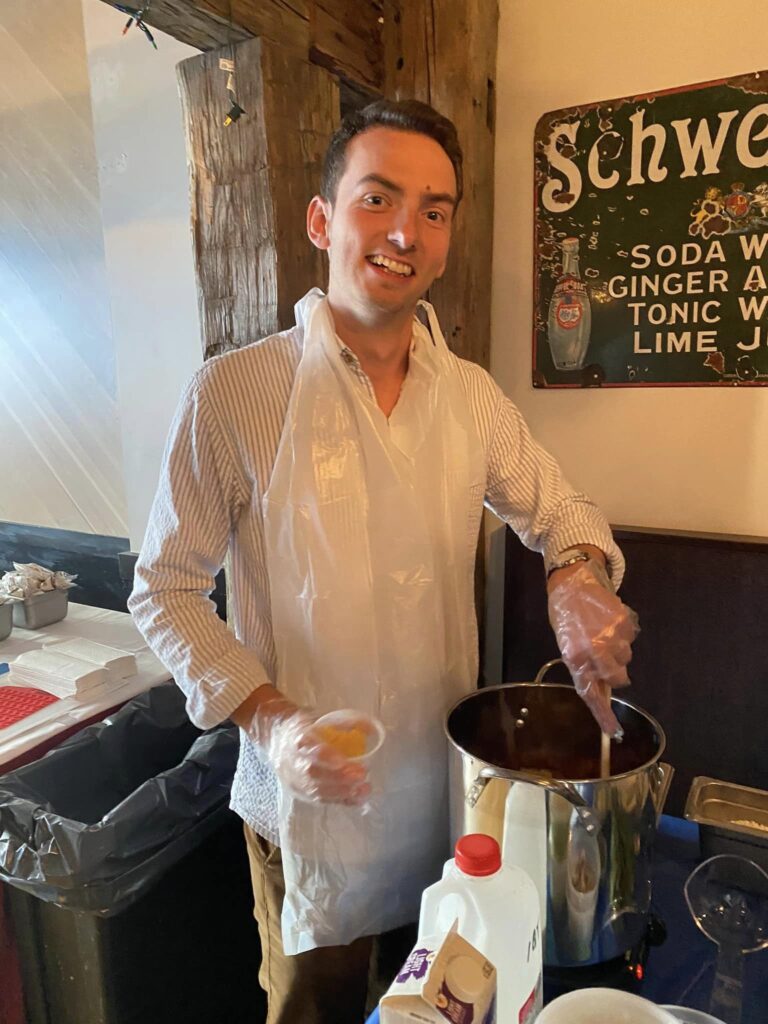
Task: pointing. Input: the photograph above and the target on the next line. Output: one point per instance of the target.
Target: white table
(116, 629)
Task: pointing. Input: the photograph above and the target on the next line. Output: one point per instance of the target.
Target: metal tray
(6, 620)
(729, 818)
(41, 609)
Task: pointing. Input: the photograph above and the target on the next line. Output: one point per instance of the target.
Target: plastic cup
(356, 735)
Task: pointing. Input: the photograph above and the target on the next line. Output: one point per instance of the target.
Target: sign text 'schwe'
(651, 241)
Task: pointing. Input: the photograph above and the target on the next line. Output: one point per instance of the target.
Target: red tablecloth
(19, 701)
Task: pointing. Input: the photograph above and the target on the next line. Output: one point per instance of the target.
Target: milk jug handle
(459, 910)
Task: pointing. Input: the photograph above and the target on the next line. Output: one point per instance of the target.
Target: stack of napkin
(70, 668)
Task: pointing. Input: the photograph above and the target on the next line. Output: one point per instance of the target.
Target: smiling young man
(386, 224)
(344, 464)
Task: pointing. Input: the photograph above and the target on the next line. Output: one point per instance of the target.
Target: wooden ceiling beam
(343, 36)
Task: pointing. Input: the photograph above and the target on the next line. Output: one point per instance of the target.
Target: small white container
(6, 619)
(603, 1006)
(40, 609)
(686, 1016)
(497, 908)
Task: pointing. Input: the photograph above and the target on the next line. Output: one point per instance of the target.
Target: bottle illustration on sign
(570, 314)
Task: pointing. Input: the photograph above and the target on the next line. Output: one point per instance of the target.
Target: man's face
(388, 230)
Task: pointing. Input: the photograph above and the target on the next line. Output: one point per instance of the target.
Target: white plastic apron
(371, 529)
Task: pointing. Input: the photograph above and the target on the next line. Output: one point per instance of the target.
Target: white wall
(674, 458)
(138, 131)
(60, 458)
(99, 328)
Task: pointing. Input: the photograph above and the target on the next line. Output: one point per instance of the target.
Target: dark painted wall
(92, 557)
(104, 565)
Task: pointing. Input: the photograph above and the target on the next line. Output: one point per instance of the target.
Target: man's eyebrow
(439, 197)
(428, 198)
(376, 179)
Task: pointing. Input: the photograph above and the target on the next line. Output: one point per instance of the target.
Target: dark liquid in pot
(559, 735)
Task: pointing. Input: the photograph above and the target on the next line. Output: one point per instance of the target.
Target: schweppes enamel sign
(651, 239)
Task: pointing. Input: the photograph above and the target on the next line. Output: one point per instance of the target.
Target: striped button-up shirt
(216, 469)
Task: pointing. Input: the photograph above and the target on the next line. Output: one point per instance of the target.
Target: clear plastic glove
(312, 769)
(594, 631)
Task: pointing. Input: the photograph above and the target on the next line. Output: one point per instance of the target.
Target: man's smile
(390, 266)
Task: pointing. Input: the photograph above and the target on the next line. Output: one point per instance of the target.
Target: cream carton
(444, 979)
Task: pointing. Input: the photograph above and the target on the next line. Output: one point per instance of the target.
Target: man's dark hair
(404, 115)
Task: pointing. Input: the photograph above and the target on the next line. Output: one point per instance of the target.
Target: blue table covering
(680, 972)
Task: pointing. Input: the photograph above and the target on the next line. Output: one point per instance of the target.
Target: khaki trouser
(331, 985)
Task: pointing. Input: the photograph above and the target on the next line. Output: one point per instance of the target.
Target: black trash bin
(130, 897)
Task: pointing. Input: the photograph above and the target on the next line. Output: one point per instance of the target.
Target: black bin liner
(95, 822)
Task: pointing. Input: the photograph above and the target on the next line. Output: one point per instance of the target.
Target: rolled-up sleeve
(195, 510)
(527, 489)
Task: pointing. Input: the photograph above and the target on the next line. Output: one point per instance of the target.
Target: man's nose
(403, 229)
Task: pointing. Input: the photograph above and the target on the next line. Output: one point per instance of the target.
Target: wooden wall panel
(250, 185)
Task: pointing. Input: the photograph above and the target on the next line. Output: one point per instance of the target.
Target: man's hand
(594, 631)
(312, 769)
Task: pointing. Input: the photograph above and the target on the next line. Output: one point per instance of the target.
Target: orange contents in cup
(349, 742)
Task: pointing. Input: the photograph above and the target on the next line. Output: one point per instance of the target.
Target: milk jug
(525, 838)
(497, 908)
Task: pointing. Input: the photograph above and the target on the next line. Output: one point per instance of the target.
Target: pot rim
(560, 686)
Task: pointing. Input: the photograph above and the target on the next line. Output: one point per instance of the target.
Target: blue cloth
(680, 972)
(4, 667)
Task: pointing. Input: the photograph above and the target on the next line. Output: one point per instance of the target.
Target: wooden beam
(250, 185)
(344, 36)
(197, 24)
(444, 52)
(347, 37)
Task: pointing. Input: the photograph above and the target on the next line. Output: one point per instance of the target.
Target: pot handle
(661, 777)
(563, 789)
(545, 668)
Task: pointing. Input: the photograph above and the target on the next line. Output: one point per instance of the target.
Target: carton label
(452, 1008)
(568, 313)
(444, 979)
(416, 966)
(526, 1010)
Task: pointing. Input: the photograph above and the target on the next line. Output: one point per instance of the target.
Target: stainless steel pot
(525, 768)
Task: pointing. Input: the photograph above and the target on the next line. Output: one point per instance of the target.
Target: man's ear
(318, 221)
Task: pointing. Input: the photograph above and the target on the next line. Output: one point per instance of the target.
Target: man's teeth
(393, 265)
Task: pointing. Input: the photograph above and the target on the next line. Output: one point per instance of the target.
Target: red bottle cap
(478, 854)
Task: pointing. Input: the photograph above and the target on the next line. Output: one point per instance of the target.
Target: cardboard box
(444, 979)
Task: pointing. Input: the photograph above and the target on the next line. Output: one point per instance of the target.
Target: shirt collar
(420, 337)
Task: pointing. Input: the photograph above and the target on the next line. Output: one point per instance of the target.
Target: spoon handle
(727, 986)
